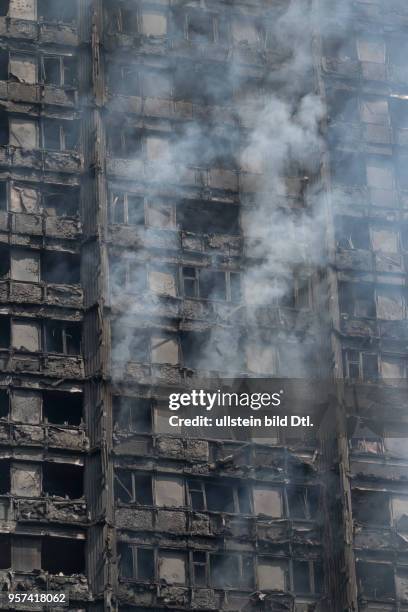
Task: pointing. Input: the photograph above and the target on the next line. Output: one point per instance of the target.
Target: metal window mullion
(204, 493)
(285, 499)
(135, 561)
(64, 340)
(62, 71)
(197, 283)
(61, 137)
(228, 286)
(289, 575)
(132, 475)
(311, 577)
(235, 498)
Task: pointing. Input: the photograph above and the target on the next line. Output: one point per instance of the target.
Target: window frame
(200, 487)
(196, 280)
(115, 201)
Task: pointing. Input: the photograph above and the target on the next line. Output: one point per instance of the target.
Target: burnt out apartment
(191, 190)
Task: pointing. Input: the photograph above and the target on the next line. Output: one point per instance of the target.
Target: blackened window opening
(60, 268)
(63, 480)
(63, 408)
(62, 555)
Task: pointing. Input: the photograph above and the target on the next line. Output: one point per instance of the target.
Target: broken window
(380, 174)
(204, 283)
(261, 357)
(59, 135)
(26, 406)
(5, 552)
(156, 84)
(63, 556)
(384, 239)
(61, 201)
(366, 440)
(63, 480)
(195, 346)
(4, 7)
(200, 568)
(164, 349)
(62, 337)
(172, 567)
(124, 17)
(3, 195)
(125, 79)
(4, 404)
(132, 414)
(401, 168)
(297, 294)
(4, 129)
(4, 261)
(129, 344)
(303, 502)
(307, 577)
(371, 507)
(23, 133)
(376, 580)
(133, 487)
(343, 106)
(393, 367)
(168, 491)
(57, 10)
(127, 208)
(214, 218)
(163, 281)
(125, 142)
(26, 335)
(5, 334)
(59, 70)
(153, 23)
(267, 501)
(212, 284)
(26, 554)
(22, 9)
(273, 574)
(161, 421)
(244, 31)
(23, 68)
(5, 480)
(161, 215)
(348, 168)
(375, 110)
(25, 266)
(357, 300)
(399, 112)
(60, 268)
(26, 479)
(198, 84)
(361, 365)
(228, 570)
(158, 149)
(136, 562)
(61, 408)
(218, 497)
(370, 49)
(399, 505)
(391, 304)
(381, 182)
(200, 27)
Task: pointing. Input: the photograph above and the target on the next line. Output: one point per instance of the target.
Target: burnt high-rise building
(192, 190)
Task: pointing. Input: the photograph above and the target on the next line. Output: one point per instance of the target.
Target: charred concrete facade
(129, 173)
